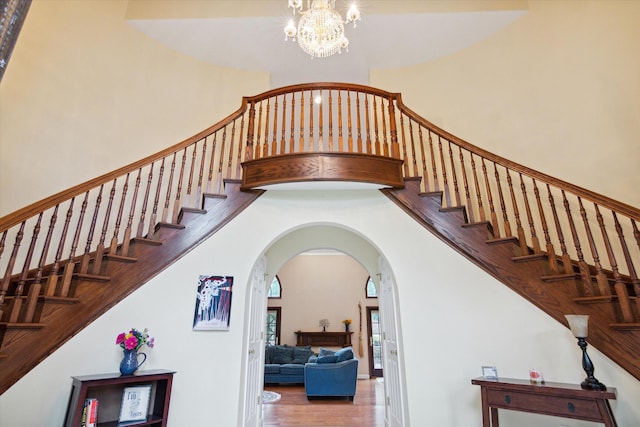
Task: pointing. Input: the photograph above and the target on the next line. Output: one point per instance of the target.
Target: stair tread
(530, 257)
(595, 299)
(145, 241)
(625, 326)
(12, 325)
(499, 240)
(121, 258)
(171, 225)
(92, 277)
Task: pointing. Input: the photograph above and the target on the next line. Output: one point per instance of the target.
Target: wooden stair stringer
(95, 298)
(525, 277)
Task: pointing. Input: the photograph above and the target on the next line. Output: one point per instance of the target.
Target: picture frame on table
(489, 372)
(135, 404)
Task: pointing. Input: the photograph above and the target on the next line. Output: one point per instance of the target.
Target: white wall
(454, 319)
(324, 286)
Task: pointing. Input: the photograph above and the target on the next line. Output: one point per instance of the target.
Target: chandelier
(320, 30)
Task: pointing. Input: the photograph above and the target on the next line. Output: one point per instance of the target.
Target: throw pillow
(326, 352)
(327, 359)
(281, 354)
(344, 354)
(301, 354)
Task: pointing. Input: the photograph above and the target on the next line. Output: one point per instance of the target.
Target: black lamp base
(593, 384)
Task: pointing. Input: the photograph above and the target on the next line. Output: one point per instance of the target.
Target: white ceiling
(379, 41)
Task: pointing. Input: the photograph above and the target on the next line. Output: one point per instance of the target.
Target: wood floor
(294, 410)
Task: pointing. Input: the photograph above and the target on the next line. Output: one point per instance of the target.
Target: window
(275, 290)
(370, 288)
(273, 325)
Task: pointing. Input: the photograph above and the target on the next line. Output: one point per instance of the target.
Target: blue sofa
(331, 374)
(285, 364)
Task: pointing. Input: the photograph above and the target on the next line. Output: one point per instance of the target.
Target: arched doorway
(322, 236)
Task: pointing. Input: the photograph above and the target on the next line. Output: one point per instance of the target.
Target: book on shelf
(90, 413)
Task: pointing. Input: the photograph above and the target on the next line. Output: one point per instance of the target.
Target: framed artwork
(135, 404)
(490, 372)
(213, 303)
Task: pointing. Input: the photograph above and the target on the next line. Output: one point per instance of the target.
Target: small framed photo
(535, 376)
(490, 372)
(135, 404)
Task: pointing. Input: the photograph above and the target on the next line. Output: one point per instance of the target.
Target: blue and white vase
(129, 363)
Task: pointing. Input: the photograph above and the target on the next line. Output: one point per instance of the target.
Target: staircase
(68, 258)
(112, 278)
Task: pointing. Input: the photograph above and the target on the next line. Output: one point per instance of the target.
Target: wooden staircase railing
(45, 246)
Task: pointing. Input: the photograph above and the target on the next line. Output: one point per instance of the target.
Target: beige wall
(326, 286)
(85, 93)
(558, 91)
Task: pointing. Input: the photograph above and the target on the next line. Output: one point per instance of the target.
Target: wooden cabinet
(108, 389)
(327, 339)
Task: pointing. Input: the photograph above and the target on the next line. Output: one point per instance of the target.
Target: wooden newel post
(395, 147)
(248, 154)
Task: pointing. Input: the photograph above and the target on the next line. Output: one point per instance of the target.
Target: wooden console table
(329, 339)
(558, 399)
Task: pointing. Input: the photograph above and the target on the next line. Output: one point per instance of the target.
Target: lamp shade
(579, 324)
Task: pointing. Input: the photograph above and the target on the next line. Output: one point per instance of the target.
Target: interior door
(394, 412)
(255, 352)
(375, 341)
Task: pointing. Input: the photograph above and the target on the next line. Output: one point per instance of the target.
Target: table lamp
(579, 325)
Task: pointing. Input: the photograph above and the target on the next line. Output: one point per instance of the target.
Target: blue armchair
(331, 379)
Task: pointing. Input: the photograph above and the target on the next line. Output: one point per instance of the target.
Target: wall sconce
(579, 325)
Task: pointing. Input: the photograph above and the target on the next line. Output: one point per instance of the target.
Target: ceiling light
(320, 29)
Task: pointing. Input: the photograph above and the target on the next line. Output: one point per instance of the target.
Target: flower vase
(346, 327)
(129, 363)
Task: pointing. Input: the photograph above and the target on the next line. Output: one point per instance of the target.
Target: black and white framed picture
(135, 404)
(213, 303)
(490, 372)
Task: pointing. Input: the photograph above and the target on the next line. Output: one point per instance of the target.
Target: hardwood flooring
(294, 410)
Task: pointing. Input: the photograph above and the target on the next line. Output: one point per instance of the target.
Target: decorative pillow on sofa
(327, 359)
(281, 354)
(344, 354)
(301, 354)
(325, 352)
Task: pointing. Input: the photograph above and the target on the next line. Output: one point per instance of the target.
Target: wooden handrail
(585, 233)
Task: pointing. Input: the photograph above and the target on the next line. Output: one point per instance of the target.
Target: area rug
(270, 396)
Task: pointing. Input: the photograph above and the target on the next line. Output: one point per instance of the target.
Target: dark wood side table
(329, 339)
(557, 399)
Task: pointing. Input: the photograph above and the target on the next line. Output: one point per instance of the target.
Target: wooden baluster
(52, 281)
(212, 162)
(492, 209)
(283, 147)
(385, 142)
(524, 249)
(6, 280)
(627, 256)
(301, 138)
(423, 149)
(434, 168)
(368, 124)
(232, 145)
(219, 177)
(258, 149)
(454, 175)
(483, 217)
(143, 213)
(250, 131)
(67, 275)
(292, 124)
(583, 267)
(16, 306)
(535, 242)
(113, 247)
(551, 253)
(36, 286)
(395, 148)
(331, 141)
(340, 140)
(445, 182)
(126, 239)
(86, 257)
(265, 152)
(239, 151)
(320, 128)
(274, 140)
(177, 202)
(156, 201)
(359, 148)
(620, 287)
(311, 141)
(190, 202)
(167, 197)
(414, 159)
(2, 240)
(197, 200)
(567, 264)
(349, 128)
(601, 279)
(375, 127)
(465, 183)
(405, 159)
(503, 207)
